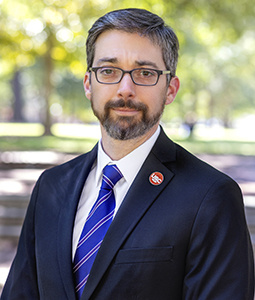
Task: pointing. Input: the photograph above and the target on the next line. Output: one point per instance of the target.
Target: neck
(117, 149)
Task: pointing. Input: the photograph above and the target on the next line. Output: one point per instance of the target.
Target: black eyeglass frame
(159, 72)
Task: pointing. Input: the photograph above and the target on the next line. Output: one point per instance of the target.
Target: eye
(106, 71)
(147, 73)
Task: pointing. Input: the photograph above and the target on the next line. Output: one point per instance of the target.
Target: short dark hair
(139, 21)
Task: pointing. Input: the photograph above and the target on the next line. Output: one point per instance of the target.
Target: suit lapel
(71, 194)
(139, 198)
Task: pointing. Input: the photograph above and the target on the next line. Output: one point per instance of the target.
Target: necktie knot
(111, 175)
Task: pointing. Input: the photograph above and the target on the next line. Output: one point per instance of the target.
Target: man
(176, 229)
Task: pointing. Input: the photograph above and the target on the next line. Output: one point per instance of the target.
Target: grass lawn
(54, 143)
(79, 138)
(78, 145)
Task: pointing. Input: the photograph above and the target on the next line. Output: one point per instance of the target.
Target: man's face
(126, 110)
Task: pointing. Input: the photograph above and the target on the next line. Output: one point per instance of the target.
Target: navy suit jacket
(186, 238)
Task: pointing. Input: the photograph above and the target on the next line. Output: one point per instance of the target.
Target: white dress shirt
(129, 167)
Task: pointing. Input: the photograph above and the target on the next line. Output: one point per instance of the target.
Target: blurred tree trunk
(18, 101)
(48, 87)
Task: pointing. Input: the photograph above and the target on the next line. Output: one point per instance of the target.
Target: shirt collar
(136, 158)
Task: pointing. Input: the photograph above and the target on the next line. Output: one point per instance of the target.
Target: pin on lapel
(156, 178)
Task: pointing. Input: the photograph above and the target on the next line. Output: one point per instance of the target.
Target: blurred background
(45, 118)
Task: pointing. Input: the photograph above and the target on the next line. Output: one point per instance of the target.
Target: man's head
(139, 21)
(130, 55)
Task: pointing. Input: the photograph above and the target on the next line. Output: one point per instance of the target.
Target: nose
(126, 87)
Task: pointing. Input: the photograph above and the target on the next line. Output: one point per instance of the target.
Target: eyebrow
(139, 63)
(107, 60)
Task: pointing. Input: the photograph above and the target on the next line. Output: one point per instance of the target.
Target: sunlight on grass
(76, 131)
(21, 129)
(80, 138)
(224, 134)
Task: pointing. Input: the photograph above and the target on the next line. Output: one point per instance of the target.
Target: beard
(127, 127)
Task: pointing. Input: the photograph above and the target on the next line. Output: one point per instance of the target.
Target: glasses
(140, 76)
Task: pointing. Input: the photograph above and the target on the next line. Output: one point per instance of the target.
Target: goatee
(127, 127)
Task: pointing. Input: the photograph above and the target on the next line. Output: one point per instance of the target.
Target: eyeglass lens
(141, 76)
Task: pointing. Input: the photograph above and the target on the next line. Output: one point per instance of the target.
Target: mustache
(121, 103)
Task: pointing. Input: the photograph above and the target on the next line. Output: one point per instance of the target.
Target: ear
(172, 90)
(87, 85)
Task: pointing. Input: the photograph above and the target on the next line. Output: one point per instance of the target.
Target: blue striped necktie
(96, 225)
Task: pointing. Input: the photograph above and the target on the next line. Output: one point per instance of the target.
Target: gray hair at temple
(139, 21)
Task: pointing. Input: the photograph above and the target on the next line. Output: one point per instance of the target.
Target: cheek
(99, 96)
(152, 99)
(101, 92)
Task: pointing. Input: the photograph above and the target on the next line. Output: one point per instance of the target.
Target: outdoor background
(45, 118)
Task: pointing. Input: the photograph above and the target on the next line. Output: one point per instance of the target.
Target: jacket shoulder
(75, 166)
(196, 166)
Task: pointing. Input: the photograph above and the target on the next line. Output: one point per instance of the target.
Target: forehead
(126, 48)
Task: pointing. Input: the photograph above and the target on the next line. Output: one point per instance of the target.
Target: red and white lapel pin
(156, 178)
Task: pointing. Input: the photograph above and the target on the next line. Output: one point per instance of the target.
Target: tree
(46, 39)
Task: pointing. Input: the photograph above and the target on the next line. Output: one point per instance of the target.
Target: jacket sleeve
(22, 279)
(219, 262)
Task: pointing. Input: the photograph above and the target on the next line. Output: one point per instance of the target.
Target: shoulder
(197, 167)
(201, 175)
(194, 181)
(70, 168)
(184, 164)
(211, 193)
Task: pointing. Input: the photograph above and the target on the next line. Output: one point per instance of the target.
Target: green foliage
(45, 41)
